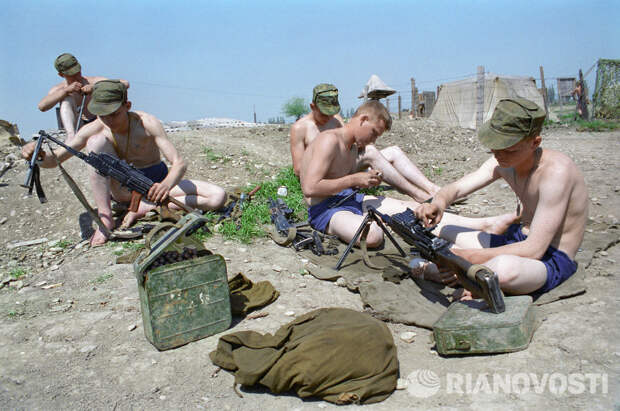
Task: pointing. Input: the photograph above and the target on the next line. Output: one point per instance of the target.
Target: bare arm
(550, 211)
(298, 146)
(78, 143)
(58, 93)
(160, 191)
(431, 213)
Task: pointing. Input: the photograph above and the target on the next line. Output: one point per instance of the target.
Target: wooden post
(387, 104)
(480, 97)
(254, 106)
(544, 89)
(414, 99)
(399, 107)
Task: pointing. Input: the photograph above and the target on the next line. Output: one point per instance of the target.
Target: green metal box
(468, 327)
(183, 301)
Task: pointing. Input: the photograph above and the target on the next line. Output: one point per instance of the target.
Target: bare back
(555, 198)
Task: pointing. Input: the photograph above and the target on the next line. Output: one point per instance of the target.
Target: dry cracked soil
(71, 334)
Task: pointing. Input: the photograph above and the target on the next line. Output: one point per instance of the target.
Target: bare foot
(461, 294)
(99, 237)
(500, 223)
(130, 219)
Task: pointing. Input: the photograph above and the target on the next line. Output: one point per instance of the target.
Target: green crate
(184, 301)
(469, 328)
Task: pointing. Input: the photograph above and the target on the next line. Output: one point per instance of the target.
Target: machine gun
(478, 279)
(297, 234)
(106, 165)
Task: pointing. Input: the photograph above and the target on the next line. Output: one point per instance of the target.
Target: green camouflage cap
(107, 97)
(513, 120)
(67, 64)
(325, 97)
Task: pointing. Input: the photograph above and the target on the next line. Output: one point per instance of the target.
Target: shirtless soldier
(138, 138)
(328, 174)
(536, 254)
(70, 92)
(396, 167)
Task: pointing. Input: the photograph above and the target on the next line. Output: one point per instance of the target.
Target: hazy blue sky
(189, 59)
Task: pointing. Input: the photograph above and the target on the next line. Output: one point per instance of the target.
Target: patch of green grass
(596, 125)
(13, 313)
(102, 278)
(211, 154)
(202, 234)
(63, 244)
(17, 273)
(256, 212)
(127, 246)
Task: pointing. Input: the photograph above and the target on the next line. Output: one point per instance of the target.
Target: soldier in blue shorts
(535, 252)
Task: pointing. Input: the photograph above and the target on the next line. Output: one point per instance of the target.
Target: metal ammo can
(183, 287)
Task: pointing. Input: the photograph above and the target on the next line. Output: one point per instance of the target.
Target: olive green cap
(325, 97)
(107, 97)
(67, 64)
(513, 120)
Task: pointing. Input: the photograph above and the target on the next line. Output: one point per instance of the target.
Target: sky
(187, 60)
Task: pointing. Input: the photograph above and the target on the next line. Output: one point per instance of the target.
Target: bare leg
(197, 194)
(101, 189)
(344, 224)
(68, 114)
(373, 158)
(401, 162)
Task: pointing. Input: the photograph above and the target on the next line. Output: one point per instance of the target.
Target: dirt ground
(79, 344)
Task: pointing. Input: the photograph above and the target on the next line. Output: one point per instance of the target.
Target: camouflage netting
(607, 92)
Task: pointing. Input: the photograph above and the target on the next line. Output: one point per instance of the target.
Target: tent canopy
(375, 88)
(457, 101)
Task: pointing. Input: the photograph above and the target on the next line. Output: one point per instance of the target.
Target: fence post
(544, 89)
(480, 97)
(414, 99)
(387, 104)
(254, 108)
(399, 107)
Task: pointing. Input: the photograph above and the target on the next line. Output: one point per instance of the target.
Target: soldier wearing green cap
(393, 163)
(533, 250)
(140, 139)
(70, 93)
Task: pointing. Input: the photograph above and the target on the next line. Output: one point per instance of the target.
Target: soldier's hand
(158, 192)
(74, 87)
(28, 150)
(430, 214)
(87, 89)
(367, 179)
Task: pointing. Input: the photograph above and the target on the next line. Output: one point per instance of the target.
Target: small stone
(54, 267)
(162, 397)
(304, 261)
(341, 282)
(12, 213)
(302, 285)
(604, 253)
(88, 348)
(408, 336)
(401, 384)
(40, 283)
(214, 167)
(3, 220)
(276, 268)
(132, 327)
(16, 284)
(290, 313)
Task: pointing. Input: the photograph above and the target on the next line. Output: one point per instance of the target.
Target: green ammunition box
(182, 301)
(468, 327)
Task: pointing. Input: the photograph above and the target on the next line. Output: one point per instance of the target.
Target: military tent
(457, 103)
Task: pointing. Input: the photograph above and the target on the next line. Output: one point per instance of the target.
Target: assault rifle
(106, 165)
(478, 279)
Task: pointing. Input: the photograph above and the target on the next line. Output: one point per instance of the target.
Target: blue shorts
(559, 265)
(157, 173)
(320, 214)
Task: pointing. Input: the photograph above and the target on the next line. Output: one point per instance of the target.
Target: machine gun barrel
(477, 278)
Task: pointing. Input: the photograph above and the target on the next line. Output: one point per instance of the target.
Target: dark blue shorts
(559, 265)
(157, 173)
(320, 214)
